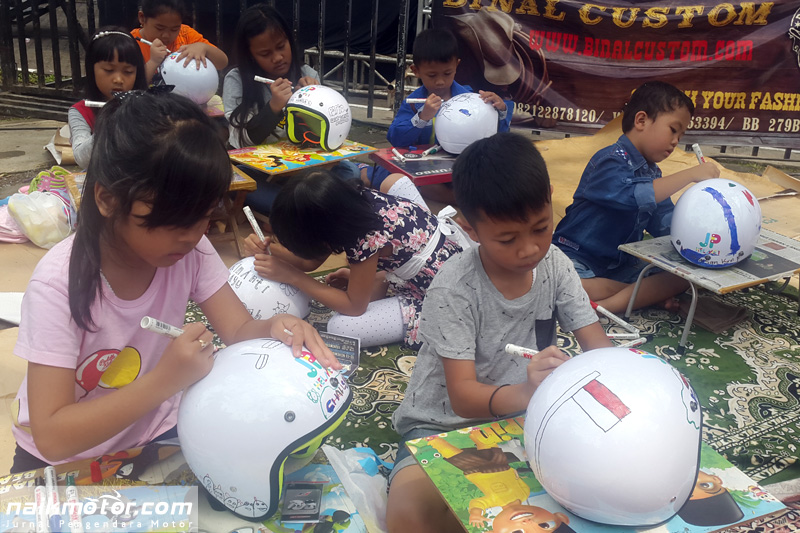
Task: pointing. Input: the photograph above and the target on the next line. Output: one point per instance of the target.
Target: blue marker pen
(53, 503)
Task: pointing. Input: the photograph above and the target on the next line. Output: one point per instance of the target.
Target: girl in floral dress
(391, 241)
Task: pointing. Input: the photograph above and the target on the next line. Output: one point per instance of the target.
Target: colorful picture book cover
(484, 476)
(284, 156)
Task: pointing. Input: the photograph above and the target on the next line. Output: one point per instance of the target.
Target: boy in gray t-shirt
(510, 289)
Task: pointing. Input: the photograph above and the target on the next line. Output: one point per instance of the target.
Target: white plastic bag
(42, 216)
(358, 470)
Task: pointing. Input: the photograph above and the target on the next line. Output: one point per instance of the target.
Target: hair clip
(105, 33)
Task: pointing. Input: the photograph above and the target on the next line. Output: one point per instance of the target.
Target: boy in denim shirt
(622, 193)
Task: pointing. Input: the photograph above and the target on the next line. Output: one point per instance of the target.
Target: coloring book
(284, 156)
(507, 497)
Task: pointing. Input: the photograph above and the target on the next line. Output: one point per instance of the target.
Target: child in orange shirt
(161, 23)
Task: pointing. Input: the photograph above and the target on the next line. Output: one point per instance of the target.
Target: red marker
(521, 351)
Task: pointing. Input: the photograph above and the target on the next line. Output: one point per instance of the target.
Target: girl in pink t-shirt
(96, 382)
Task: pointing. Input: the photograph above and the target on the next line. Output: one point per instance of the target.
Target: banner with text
(572, 65)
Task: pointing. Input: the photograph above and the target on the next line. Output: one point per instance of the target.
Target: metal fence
(43, 42)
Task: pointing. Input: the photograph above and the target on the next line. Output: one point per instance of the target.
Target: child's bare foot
(671, 304)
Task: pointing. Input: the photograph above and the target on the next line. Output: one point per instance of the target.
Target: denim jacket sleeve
(617, 183)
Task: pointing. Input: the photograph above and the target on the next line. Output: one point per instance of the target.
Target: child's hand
(431, 107)
(195, 51)
(158, 51)
(274, 269)
(253, 245)
(307, 80)
(705, 171)
(281, 92)
(543, 363)
(295, 332)
(188, 358)
(491, 98)
(339, 279)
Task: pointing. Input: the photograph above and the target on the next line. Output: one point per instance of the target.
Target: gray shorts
(404, 457)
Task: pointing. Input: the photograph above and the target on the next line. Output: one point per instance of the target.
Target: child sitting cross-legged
(512, 288)
(622, 193)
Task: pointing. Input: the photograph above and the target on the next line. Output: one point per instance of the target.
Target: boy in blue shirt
(435, 63)
(622, 193)
(512, 288)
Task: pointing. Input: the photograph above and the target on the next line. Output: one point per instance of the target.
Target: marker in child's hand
(156, 326)
(521, 351)
(288, 331)
(398, 155)
(149, 43)
(268, 81)
(698, 153)
(416, 100)
(257, 230)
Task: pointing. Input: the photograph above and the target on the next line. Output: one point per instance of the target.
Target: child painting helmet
(265, 298)
(198, 85)
(259, 411)
(318, 115)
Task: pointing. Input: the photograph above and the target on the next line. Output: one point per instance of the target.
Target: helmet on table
(265, 298)
(318, 114)
(196, 85)
(613, 435)
(258, 408)
(716, 223)
(462, 120)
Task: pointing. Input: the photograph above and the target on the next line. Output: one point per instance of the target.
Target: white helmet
(605, 418)
(264, 298)
(196, 85)
(716, 223)
(317, 113)
(258, 407)
(462, 120)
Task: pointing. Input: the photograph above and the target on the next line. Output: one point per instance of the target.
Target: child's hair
(654, 97)
(254, 21)
(316, 214)
(154, 8)
(156, 148)
(502, 177)
(435, 45)
(102, 47)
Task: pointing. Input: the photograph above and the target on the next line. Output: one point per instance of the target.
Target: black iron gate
(360, 51)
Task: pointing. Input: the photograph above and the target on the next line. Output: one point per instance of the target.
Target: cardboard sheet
(567, 158)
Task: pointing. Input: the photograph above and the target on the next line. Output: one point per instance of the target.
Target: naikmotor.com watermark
(117, 509)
